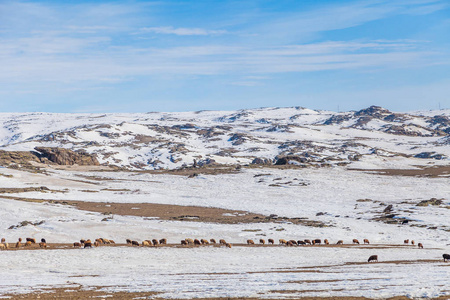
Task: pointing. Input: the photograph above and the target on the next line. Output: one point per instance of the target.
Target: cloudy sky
(139, 56)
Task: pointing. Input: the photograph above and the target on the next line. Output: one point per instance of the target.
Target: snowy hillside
(369, 138)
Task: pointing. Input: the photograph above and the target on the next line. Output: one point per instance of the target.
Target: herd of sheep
(29, 242)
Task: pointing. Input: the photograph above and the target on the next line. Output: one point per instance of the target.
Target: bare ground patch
(423, 172)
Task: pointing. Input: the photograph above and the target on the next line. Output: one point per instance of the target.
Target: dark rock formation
(63, 156)
(261, 161)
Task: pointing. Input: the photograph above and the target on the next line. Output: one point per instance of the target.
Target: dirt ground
(79, 293)
(423, 172)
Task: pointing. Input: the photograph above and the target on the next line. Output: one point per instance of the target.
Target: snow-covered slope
(372, 137)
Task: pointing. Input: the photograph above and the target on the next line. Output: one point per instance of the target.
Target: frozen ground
(345, 201)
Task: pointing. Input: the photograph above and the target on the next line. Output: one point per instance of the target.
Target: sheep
(155, 242)
(96, 244)
(82, 241)
(228, 245)
(250, 242)
(373, 258)
(262, 241)
(42, 245)
(213, 241)
(366, 241)
(197, 242)
(184, 242)
(294, 243)
(111, 242)
(18, 244)
(28, 243)
(145, 244)
(163, 241)
(98, 241)
(307, 242)
(88, 241)
(43, 241)
(282, 242)
(301, 243)
(446, 257)
(271, 241)
(128, 241)
(289, 244)
(3, 240)
(77, 245)
(2, 246)
(134, 243)
(88, 244)
(326, 242)
(32, 240)
(355, 241)
(340, 242)
(420, 245)
(190, 241)
(412, 242)
(317, 241)
(204, 242)
(105, 241)
(222, 242)
(406, 241)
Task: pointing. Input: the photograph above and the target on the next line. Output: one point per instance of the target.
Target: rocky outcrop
(63, 156)
(261, 161)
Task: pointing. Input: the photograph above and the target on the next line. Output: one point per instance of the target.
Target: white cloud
(182, 31)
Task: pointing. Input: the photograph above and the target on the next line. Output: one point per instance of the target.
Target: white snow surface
(265, 272)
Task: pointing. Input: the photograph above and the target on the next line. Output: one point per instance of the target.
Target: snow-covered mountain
(371, 138)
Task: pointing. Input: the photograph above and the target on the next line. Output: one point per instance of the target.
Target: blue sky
(139, 56)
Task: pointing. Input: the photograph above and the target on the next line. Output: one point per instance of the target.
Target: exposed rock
(374, 111)
(432, 155)
(432, 201)
(63, 156)
(291, 159)
(261, 161)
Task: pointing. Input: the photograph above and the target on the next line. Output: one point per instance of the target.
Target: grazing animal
(3, 240)
(307, 242)
(250, 242)
(145, 244)
(301, 243)
(262, 241)
(197, 242)
(228, 245)
(326, 242)
(43, 241)
(412, 242)
(294, 243)
(42, 245)
(128, 241)
(163, 241)
(184, 242)
(87, 245)
(271, 241)
(222, 242)
(32, 240)
(317, 241)
(420, 245)
(366, 241)
(283, 242)
(204, 242)
(111, 242)
(190, 241)
(355, 241)
(2, 246)
(88, 241)
(446, 257)
(96, 244)
(213, 241)
(98, 241)
(340, 242)
(134, 243)
(82, 241)
(106, 241)
(155, 242)
(289, 244)
(373, 258)
(28, 243)
(18, 244)
(406, 241)
(77, 245)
